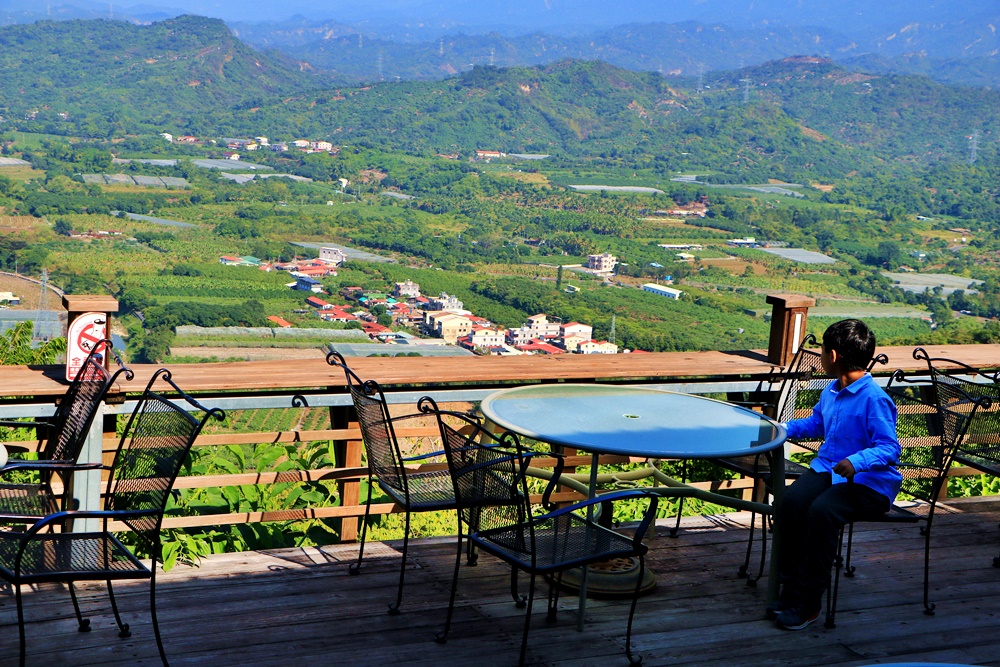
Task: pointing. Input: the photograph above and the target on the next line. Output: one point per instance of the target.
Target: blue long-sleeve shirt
(857, 423)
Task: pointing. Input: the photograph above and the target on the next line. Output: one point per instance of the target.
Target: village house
(536, 346)
(488, 155)
(538, 326)
(597, 347)
(571, 329)
(448, 326)
(285, 324)
(307, 284)
(444, 302)
(661, 290)
(333, 256)
(319, 303)
(406, 290)
(320, 146)
(603, 263)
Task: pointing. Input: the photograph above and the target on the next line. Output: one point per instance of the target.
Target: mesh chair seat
(984, 458)
(68, 556)
(559, 542)
(752, 466)
(428, 491)
(26, 501)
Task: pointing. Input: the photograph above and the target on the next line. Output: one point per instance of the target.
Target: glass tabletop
(632, 421)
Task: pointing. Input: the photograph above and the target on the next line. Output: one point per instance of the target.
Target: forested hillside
(799, 118)
(109, 78)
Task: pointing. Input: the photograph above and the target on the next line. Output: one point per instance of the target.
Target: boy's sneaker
(774, 608)
(786, 600)
(797, 618)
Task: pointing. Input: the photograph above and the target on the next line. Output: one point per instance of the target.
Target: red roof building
(280, 322)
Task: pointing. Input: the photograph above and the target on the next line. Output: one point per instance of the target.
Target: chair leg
(519, 600)
(848, 568)
(84, 623)
(123, 628)
(152, 613)
(442, 637)
(355, 568)
(394, 606)
(634, 660)
(553, 606)
(20, 620)
(742, 572)
(928, 605)
(832, 590)
(527, 621)
(472, 555)
(752, 581)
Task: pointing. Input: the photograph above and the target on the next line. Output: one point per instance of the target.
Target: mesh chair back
(79, 405)
(959, 387)
(802, 385)
(384, 457)
(157, 439)
(488, 472)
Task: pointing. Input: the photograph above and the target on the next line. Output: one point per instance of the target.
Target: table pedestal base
(614, 578)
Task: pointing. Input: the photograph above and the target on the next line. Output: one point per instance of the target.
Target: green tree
(16, 348)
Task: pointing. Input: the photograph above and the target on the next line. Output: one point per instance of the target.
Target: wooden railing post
(348, 455)
(788, 325)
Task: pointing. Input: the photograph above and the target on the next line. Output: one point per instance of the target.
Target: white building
(662, 290)
(597, 347)
(263, 141)
(571, 329)
(603, 263)
(537, 326)
(444, 302)
(321, 146)
(333, 256)
(300, 143)
(487, 338)
(406, 290)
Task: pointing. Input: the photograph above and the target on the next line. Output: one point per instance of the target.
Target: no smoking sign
(85, 333)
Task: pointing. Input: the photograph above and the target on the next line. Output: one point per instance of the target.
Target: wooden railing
(29, 392)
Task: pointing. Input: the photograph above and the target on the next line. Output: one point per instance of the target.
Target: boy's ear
(834, 356)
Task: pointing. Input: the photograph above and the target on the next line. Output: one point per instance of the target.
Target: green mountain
(794, 119)
(108, 77)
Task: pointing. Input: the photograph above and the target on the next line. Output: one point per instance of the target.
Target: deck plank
(300, 606)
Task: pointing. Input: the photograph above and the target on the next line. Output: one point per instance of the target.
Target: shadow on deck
(300, 607)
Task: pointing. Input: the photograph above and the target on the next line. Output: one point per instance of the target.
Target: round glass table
(641, 422)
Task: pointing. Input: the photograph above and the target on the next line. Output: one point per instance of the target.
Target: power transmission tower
(361, 40)
(746, 90)
(611, 334)
(441, 47)
(701, 77)
(493, 57)
(43, 299)
(973, 145)
(380, 77)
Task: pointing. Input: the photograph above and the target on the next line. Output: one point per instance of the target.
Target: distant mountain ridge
(798, 117)
(954, 43)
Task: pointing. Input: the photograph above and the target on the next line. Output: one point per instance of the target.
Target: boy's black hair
(853, 341)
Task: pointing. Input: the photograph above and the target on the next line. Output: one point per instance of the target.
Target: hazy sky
(838, 14)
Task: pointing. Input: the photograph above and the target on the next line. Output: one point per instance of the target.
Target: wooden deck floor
(300, 607)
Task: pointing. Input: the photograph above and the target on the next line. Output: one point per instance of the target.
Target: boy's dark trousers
(812, 513)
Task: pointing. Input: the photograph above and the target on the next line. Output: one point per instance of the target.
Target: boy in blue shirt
(852, 477)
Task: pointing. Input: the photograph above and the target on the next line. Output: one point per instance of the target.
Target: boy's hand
(845, 469)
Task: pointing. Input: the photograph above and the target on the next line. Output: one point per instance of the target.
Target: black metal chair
(980, 449)
(928, 436)
(66, 432)
(413, 491)
(489, 475)
(156, 440)
(800, 389)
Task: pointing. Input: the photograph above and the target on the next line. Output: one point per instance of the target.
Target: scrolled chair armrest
(50, 464)
(648, 516)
